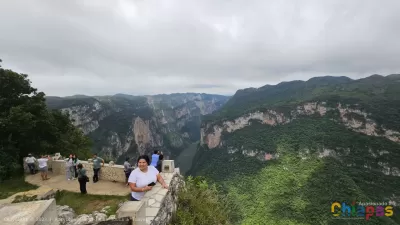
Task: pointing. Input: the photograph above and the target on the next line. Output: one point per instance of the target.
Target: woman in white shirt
(43, 166)
(141, 178)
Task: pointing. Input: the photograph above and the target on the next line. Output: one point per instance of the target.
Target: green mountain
(125, 125)
(282, 154)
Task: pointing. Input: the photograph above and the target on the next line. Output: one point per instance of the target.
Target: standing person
(75, 162)
(69, 166)
(127, 169)
(159, 163)
(96, 167)
(30, 161)
(141, 178)
(43, 166)
(154, 158)
(82, 178)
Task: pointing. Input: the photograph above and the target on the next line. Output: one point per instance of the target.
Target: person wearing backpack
(82, 178)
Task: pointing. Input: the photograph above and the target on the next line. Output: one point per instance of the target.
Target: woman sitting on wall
(143, 178)
(82, 178)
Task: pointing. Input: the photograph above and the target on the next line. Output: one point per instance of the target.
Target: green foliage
(27, 126)
(291, 190)
(13, 186)
(24, 198)
(377, 95)
(88, 203)
(200, 203)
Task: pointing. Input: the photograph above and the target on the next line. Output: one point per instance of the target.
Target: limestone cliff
(123, 125)
(354, 119)
(144, 137)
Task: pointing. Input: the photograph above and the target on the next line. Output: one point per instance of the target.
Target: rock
(83, 219)
(65, 214)
(105, 209)
(112, 217)
(120, 204)
(111, 163)
(99, 216)
(65, 217)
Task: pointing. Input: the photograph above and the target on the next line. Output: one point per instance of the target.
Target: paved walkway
(60, 182)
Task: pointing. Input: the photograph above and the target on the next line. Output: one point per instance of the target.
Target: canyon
(124, 125)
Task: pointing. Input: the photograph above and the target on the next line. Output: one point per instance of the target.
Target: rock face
(145, 138)
(122, 125)
(65, 214)
(352, 118)
(168, 206)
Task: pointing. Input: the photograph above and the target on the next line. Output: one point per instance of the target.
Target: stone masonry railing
(157, 205)
(107, 172)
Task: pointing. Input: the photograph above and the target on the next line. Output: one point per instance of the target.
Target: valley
(124, 125)
(330, 138)
(279, 154)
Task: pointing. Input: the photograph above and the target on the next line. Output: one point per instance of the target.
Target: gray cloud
(162, 46)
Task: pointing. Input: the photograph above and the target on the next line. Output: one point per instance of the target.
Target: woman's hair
(145, 157)
(127, 159)
(80, 166)
(161, 157)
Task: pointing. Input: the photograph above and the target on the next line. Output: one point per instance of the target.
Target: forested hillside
(124, 125)
(28, 126)
(282, 154)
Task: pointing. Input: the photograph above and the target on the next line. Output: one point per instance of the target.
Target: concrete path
(60, 182)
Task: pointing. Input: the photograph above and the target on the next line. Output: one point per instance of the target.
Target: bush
(200, 203)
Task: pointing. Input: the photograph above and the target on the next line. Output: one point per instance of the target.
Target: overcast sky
(97, 47)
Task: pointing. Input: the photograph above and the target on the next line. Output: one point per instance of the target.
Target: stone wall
(42, 212)
(157, 205)
(49, 165)
(107, 172)
(168, 205)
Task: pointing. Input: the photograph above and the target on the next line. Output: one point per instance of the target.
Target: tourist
(96, 167)
(75, 162)
(141, 179)
(82, 178)
(69, 168)
(159, 163)
(30, 161)
(43, 166)
(154, 158)
(127, 170)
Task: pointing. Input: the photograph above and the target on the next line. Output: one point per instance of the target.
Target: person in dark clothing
(75, 163)
(82, 178)
(127, 170)
(159, 163)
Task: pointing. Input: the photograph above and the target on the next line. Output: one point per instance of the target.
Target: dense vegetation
(113, 138)
(28, 126)
(291, 190)
(200, 204)
(372, 94)
(298, 185)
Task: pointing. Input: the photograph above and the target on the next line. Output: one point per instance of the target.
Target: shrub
(200, 203)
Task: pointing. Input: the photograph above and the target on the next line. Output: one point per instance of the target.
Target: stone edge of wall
(169, 204)
(108, 172)
(158, 205)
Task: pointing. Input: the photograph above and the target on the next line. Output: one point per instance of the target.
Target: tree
(27, 126)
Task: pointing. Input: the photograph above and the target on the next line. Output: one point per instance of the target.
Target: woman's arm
(162, 182)
(137, 189)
